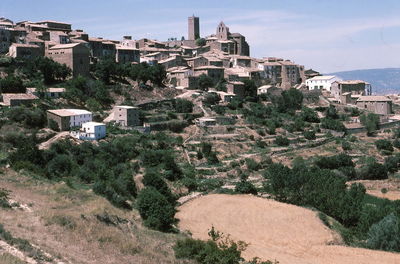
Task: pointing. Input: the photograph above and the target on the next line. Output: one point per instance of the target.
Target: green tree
(158, 74)
(371, 123)
(105, 69)
(12, 84)
(204, 82)
(250, 88)
(183, 106)
(245, 187)
(200, 42)
(155, 209)
(385, 235)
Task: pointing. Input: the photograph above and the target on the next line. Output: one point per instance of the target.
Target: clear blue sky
(324, 35)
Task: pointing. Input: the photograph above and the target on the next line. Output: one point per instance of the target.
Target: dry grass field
(77, 226)
(287, 233)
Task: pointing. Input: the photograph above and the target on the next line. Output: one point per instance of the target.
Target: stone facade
(193, 28)
(75, 56)
(353, 87)
(380, 105)
(126, 115)
(24, 51)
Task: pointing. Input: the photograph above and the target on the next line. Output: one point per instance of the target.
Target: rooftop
(322, 78)
(92, 124)
(69, 112)
(65, 46)
(126, 106)
(374, 98)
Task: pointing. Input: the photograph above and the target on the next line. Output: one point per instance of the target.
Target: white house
(321, 82)
(90, 131)
(69, 118)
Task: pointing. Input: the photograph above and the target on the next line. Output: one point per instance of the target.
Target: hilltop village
(188, 150)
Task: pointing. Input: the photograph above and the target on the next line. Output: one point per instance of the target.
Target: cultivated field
(287, 233)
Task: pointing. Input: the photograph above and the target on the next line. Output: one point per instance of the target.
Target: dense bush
(218, 249)
(204, 82)
(309, 134)
(12, 84)
(385, 235)
(371, 123)
(183, 106)
(29, 117)
(334, 162)
(282, 141)
(155, 209)
(392, 163)
(384, 144)
(290, 100)
(333, 124)
(309, 115)
(319, 188)
(252, 165)
(47, 69)
(245, 187)
(373, 171)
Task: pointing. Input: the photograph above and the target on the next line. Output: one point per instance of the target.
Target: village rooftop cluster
(223, 55)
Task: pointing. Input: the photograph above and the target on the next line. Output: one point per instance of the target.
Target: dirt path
(287, 233)
(58, 136)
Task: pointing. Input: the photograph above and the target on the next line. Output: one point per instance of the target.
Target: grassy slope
(77, 226)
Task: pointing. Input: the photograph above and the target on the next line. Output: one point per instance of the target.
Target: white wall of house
(80, 117)
(321, 82)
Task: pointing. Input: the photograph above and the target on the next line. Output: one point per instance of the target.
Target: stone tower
(222, 31)
(194, 28)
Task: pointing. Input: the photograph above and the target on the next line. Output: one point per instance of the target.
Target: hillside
(383, 81)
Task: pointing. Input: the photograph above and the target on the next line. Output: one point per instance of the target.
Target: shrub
(371, 123)
(384, 144)
(209, 184)
(252, 165)
(60, 166)
(374, 171)
(245, 187)
(396, 143)
(392, 163)
(346, 146)
(4, 198)
(155, 209)
(309, 134)
(183, 106)
(205, 82)
(217, 250)
(282, 141)
(12, 84)
(333, 124)
(385, 235)
(309, 115)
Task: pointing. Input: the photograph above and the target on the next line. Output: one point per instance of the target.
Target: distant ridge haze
(383, 81)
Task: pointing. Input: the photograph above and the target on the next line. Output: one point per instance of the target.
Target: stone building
(17, 50)
(380, 105)
(352, 87)
(126, 115)
(69, 118)
(16, 99)
(5, 39)
(75, 56)
(126, 54)
(321, 82)
(236, 88)
(193, 28)
(239, 44)
(214, 72)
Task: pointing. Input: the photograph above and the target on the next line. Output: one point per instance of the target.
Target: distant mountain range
(383, 81)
